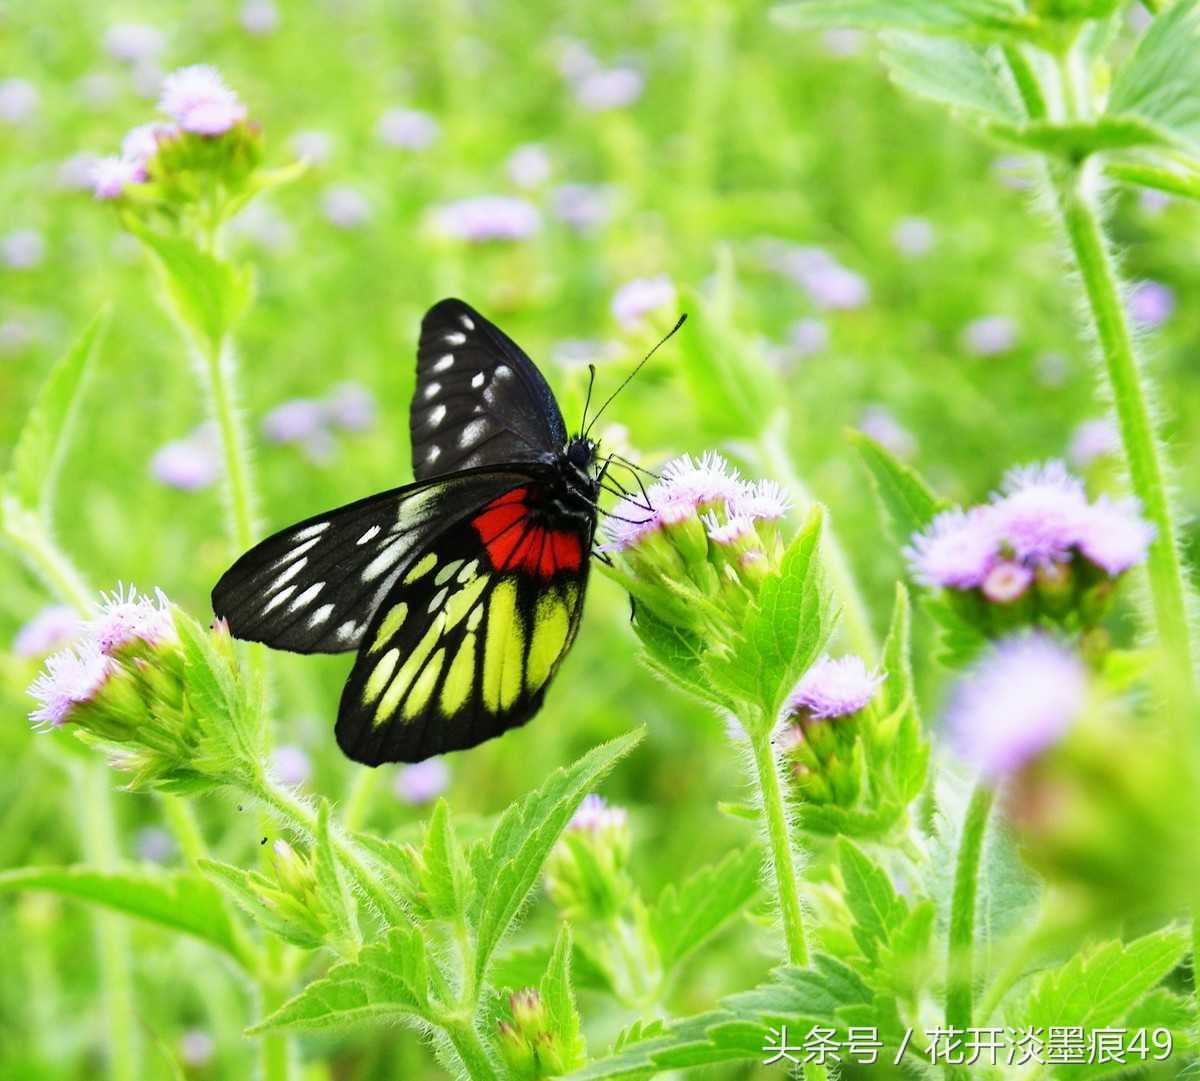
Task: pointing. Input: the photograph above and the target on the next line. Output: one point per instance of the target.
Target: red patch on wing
(513, 543)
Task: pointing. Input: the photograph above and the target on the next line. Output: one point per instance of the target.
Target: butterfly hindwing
(467, 640)
(313, 587)
(479, 399)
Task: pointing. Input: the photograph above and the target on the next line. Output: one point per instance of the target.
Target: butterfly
(462, 592)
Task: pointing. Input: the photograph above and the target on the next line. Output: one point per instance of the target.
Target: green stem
(112, 934)
(961, 946)
(182, 820)
(358, 803)
(1145, 175)
(1027, 83)
(274, 1047)
(1077, 202)
(856, 618)
(475, 1056)
(218, 367)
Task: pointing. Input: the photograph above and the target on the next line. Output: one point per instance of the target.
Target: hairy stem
(274, 1048)
(465, 1039)
(960, 954)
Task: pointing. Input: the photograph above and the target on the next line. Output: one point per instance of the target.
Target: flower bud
(586, 874)
(528, 1045)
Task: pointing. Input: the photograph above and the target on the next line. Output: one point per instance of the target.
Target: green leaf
(904, 963)
(982, 19)
(507, 865)
(675, 655)
(1159, 82)
(209, 294)
(561, 1013)
(1074, 142)
(1101, 986)
(180, 901)
(953, 73)
(896, 661)
(1166, 175)
(388, 980)
(959, 640)
(874, 906)
(43, 439)
(272, 909)
(332, 888)
(910, 504)
(684, 917)
(447, 877)
(524, 968)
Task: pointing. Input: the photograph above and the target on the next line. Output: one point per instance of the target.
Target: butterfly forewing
(313, 587)
(479, 399)
(467, 640)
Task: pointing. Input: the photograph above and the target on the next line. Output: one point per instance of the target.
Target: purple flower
(351, 406)
(141, 144)
(1114, 536)
(638, 298)
(595, 815)
(833, 688)
(612, 88)
(291, 765)
(760, 501)
(989, 335)
(112, 175)
(1007, 582)
(75, 174)
(70, 679)
(488, 217)
(1039, 512)
(1151, 303)
(1093, 439)
(260, 17)
(154, 844)
(345, 207)
(808, 336)
(198, 100)
(51, 629)
(880, 423)
(1017, 701)
(133, 42)
(294, 421)
(913, 237)
(408, 129)
(736, 527)
(529, 166)
(313, 146)
(19, 100)
(956, 550)
(127, 616)
(582, 206)
(187, 464)
(422, 782)
(22, 249)
(196, 1048)
(835, 288)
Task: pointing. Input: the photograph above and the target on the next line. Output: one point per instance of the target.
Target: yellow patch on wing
(502, 650)
(551, 626)
(392, 622)
(460, 677)
(421, 568)
(460, 603)
(422, 690)
(408, 671)
(379, 676)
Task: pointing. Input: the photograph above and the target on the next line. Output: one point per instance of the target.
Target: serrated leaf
(261, 899)
(180, 901)
(209, 294)
(869, 895)
(447, 877)
(332, 888)
(507, 866)
(214, 688)
(676, 655)
(683, 917)
(904, 963)
(524, 967)
(388, 980)
(983, 19)
(908, 501)
(44, 436)
(1100, 986)
(1158, 83)
(561, 1012)
(953, 73)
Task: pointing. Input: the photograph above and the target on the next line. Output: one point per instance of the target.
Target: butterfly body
(461, 592)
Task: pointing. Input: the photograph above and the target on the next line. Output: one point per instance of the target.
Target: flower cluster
(585, 874)
(124, 686)
(1038, 549)
(311, 423)
(820, 738)
(528, 1042)
(699, 541)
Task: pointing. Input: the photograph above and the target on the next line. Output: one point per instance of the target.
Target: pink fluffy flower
(638, 298)
(833, 688)
(1114, 536)
(50, 629)
(127, 616)
(70, 679)
(1038, 513)
(198, 100)
(112, 175)
(957, 550)
(488, 217)
(596, 814)
(422, 782)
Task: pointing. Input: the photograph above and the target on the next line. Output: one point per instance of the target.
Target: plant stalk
(960, 976)
(465, 1039)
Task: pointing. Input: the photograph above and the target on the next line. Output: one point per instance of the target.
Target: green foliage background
(743, 133)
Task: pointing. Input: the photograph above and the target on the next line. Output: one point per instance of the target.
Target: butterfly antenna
(588, 400)
(641, 363)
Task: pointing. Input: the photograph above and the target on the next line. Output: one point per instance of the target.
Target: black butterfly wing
(479, 399)
(313, 587)
(467, 640)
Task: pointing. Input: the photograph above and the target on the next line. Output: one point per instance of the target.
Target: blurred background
(581, 173)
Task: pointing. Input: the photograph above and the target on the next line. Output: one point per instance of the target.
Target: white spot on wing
(489, 395)
(314, 530)
(477, 380)
(467, 321)
(432, 390)
(370, 534)
(278, 599)
(436, 415)
(347, 631)
(445, 363)
(471, 433)
(455, 337)
(386, 559)
(288, 575)
(503, 371)
(299, 550)
(320, 615)
(435, 452)
(303, 598)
